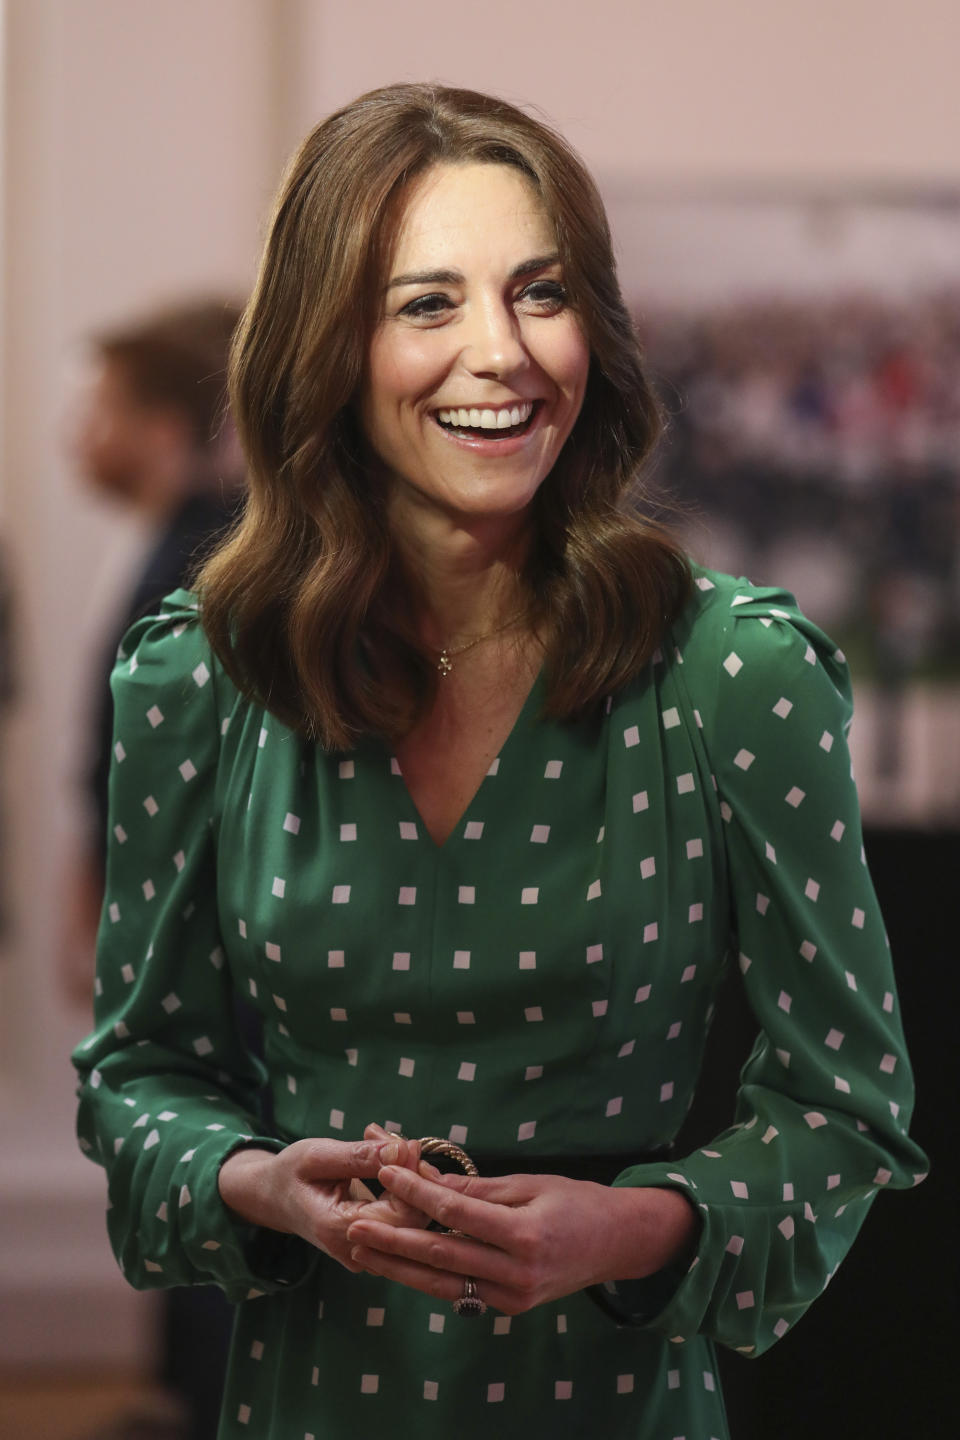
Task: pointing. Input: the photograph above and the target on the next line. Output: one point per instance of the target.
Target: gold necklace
(448, 655)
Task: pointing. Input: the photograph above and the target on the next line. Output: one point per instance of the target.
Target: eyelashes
(541, 297)
(426, 306)
(545, 294)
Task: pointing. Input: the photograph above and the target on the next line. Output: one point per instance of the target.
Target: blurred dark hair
(304, 603)
(176, 358)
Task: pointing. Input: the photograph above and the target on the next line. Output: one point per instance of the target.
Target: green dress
(541, 983)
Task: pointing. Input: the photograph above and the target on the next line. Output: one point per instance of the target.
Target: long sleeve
(167, 1087)
(825, 1098)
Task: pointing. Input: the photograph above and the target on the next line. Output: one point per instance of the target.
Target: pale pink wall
(140, 154)
(690, 89)
(140, 146)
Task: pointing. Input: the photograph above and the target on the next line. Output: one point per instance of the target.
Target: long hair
(304, 603)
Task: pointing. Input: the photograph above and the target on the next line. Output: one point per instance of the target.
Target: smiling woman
(436, 250)
(478, 367)
(472, 784)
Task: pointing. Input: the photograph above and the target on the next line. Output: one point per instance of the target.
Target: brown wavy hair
(305, 603)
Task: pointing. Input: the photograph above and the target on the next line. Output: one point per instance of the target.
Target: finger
(338, 1159)
(491, 1220)
(347, 1260)
(336, 1203)
(391, 1211)
(405, 1152)
(408, 1150)
(442, 1285)
(412, 1161)
(437, 1251)
(377, 1133)
(498, 1189)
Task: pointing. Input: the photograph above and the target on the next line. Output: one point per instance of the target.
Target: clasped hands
(525, 1239)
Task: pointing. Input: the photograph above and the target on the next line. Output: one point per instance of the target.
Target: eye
(544, 297)
(426, 307)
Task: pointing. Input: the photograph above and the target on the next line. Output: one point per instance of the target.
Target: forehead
(453, 214)
(99, 379)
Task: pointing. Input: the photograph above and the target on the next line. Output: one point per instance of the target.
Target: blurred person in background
(150, 431)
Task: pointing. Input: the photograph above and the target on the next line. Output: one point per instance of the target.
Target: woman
(470, 784)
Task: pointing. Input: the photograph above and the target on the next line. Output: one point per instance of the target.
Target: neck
(468, 576)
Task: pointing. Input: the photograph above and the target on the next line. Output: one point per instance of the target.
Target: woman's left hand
(526, 1239)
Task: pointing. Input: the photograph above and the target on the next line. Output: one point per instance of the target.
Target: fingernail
(389, 1153)
(355, 1254)
(430, 1172)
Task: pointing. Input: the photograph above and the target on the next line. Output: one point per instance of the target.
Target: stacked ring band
(469, 1303)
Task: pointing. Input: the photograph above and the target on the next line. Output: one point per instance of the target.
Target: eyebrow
(454, 277)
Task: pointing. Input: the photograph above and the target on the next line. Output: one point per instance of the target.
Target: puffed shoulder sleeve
(825, 1098)
(167, 1087)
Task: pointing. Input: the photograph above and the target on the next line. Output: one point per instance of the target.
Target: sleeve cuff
(638, 1302)
(247, 1260)
(642, 1302)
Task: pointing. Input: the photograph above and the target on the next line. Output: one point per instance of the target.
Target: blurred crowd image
(828, 429)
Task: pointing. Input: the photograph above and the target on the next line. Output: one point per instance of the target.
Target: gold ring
(431, 1145)
(469, 1303)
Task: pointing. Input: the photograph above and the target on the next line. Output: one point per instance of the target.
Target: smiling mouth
(500, 424)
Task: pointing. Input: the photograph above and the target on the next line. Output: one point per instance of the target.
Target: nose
(494, 345)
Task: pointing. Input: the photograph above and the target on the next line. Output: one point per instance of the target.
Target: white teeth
(485, 419)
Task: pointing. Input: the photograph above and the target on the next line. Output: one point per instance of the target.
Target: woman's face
(477, 368)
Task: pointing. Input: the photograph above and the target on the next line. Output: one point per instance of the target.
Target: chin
(493, 507)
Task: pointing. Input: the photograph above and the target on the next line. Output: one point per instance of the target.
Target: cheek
(99, 442)
(402, 370)
(568, 360)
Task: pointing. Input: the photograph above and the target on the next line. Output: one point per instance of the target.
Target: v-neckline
(531, 700)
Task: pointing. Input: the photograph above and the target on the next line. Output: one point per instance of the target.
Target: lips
(492, 423)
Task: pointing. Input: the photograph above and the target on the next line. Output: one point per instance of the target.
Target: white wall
(142, 140)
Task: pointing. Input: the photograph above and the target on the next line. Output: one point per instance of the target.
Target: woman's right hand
(314, 1188)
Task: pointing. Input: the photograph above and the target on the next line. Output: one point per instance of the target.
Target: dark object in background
(879, 1360)
(189, 534)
